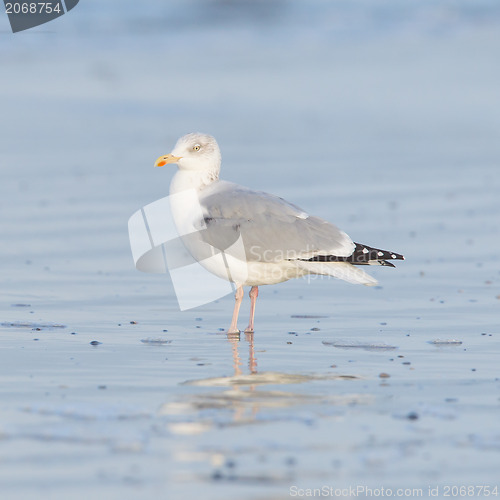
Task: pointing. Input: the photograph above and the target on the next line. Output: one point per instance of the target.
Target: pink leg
(254, 293)
(238, 297)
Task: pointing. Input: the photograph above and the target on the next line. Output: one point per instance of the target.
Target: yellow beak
(163, 160)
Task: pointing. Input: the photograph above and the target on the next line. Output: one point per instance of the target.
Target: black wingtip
(363, 255)
(385, 263)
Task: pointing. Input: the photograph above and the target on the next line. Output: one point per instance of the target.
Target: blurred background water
(382, 117)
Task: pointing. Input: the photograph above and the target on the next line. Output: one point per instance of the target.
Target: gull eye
(197, 147)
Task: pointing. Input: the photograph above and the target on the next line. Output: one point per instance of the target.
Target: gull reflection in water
(243, 399)
(234, 339)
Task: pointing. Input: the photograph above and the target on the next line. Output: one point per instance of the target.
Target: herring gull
(272, 239)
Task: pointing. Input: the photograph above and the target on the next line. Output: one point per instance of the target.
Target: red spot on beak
(162, 163)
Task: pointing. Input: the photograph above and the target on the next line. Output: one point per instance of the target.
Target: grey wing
(271, 229)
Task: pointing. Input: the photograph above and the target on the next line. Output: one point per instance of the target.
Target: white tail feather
(340, 270)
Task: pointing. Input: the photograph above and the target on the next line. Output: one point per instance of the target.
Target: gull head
(194, 152)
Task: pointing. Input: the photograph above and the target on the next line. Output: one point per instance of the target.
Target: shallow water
(381, 119)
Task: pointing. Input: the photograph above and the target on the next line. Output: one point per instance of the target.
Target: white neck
(191, 179)
(184, 198)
